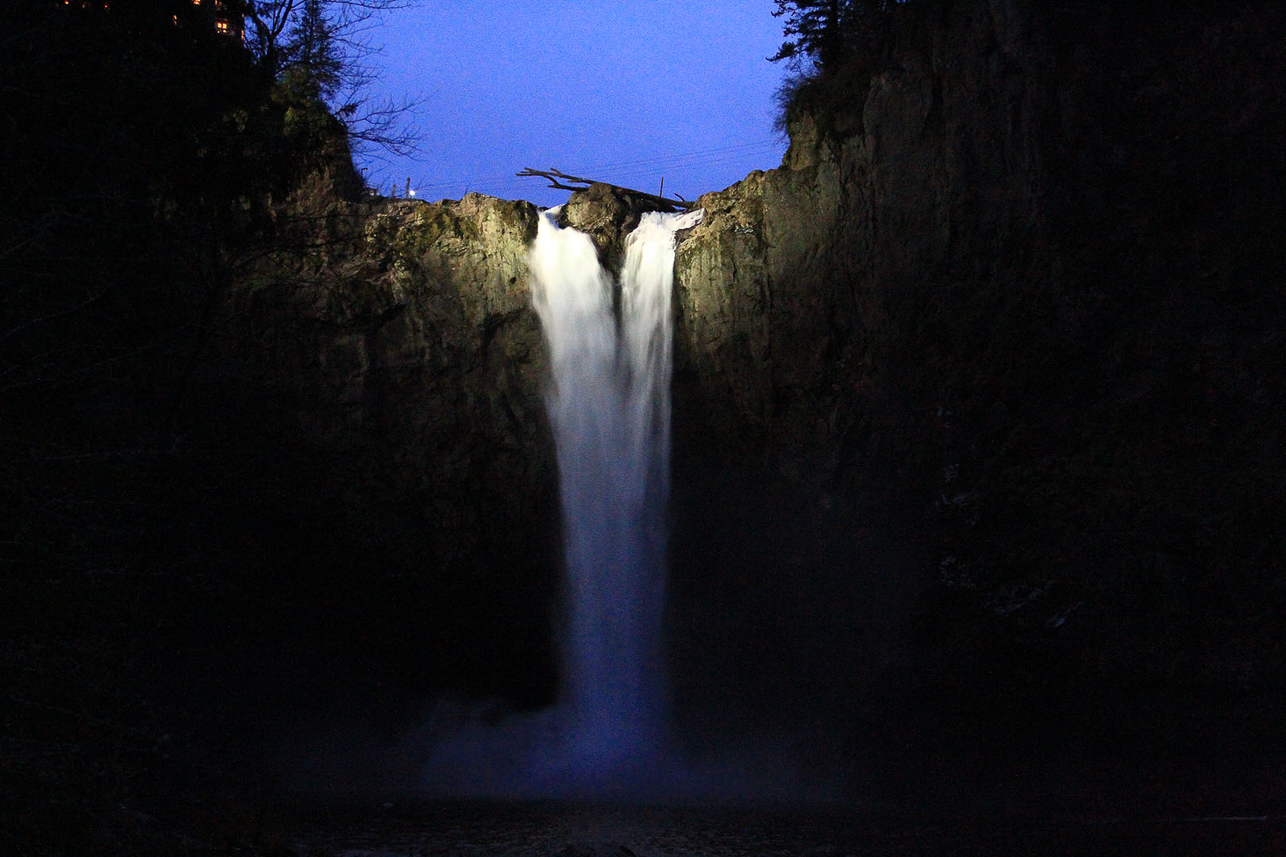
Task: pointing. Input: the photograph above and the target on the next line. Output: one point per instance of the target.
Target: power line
(623, 169)
(739, 148)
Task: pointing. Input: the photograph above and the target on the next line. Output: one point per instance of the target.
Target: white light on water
(609, 404)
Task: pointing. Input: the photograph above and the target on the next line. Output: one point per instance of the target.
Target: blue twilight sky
(627, 92)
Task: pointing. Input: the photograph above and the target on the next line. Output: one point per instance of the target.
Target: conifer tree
(318, 49)
(814, 30)
(312, 53)
(824, 32)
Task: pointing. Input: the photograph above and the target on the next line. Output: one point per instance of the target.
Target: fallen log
(557, 180)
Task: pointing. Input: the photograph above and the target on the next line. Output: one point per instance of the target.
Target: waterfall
(608, 738)
(609, 406)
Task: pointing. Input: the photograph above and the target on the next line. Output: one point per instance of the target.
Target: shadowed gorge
(972, 436)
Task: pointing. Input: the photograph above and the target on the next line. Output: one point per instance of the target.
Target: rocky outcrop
(761, 333)
(606, 214)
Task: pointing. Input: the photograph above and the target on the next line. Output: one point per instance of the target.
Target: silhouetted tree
(312, 51)
(814, 30)
(824, 32)
(318, 47)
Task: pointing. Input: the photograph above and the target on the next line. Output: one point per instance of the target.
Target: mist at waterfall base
(609, 735)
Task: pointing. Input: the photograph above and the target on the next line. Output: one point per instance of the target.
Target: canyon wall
(1027, 273)
(1020, 282)
(386, 361)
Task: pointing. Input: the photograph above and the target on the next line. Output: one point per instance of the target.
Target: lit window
(221, 26)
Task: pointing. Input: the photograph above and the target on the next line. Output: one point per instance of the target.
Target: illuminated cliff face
(1029, 270)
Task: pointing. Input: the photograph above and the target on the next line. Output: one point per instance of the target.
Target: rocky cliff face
(1028, 272)
(395, 357)
(978, 431)
(1023, 281)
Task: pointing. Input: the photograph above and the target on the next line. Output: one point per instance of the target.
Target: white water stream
(609, 405)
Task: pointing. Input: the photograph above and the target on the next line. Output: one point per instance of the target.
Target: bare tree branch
(285, 37)
(557, 177)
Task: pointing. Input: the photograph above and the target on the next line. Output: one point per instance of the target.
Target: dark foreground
(512, 829)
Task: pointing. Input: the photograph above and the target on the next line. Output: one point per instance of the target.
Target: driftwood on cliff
(557, 180)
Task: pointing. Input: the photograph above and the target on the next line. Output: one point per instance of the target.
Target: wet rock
(607, 214)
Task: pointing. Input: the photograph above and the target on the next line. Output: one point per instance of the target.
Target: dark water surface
(588, 830)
